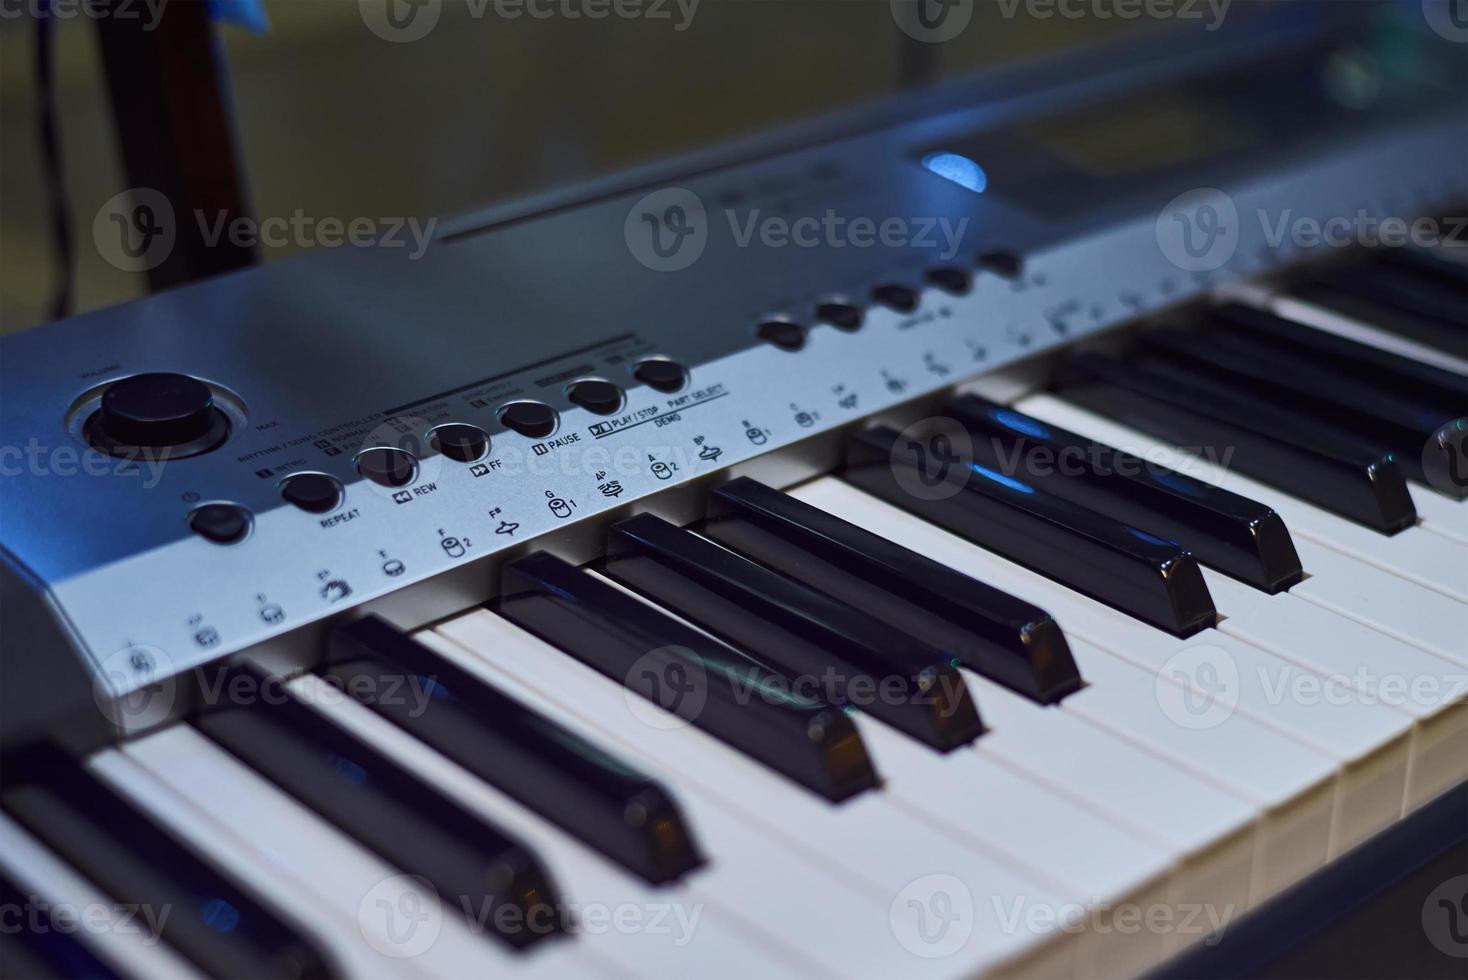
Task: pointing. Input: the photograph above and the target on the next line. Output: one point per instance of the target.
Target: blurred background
(335, 120)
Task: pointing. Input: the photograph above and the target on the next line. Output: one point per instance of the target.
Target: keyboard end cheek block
(703, 681)
(1005, 639)
(615, 809)
(1145, 577)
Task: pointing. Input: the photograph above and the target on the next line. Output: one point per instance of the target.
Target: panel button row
(788, 334)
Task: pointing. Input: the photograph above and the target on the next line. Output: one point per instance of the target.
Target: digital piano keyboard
(628, 588)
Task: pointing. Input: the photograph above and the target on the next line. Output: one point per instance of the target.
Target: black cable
(52, 169)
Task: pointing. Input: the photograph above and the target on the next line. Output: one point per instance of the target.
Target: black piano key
(1145, 576)
(1233, 534)
(1383, 296)
(1265, 334)
(33, 946)
(477, 868)
(1321, 464)
(1004, 638)
(201, 914)
(697, 677)
(809, 638)
(619, 811)
(1398, 423)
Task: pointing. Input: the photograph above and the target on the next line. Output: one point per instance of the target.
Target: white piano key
(322, 865)
(1414, 614)
(1431, 690)
(334, 934)
(1441, 514)
(117, 936)
(1370, 741)
(1094, 862)
(692, 935)
(866, 850)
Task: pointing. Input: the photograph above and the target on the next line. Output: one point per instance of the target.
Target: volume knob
(158, 410)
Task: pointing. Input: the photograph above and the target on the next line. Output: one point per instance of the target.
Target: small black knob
(157, 409)
(220, 523)
(842, 315)
(894, 295)
(313, 492)
(661, 374)
(783, 334)
(529, 419)
(387, 466)
(460, 441)
(950, 279)
(601, 397)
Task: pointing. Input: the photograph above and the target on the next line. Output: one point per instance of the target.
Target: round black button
(842, 315)
(529, 419)
(314, 492)
(894, 295)
(220, 523)
(387, 466)
(783, 334)
(157, 409)
(460, 441)
(601, 397)
(661, 374)
(950, 278)
(1002, 262)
